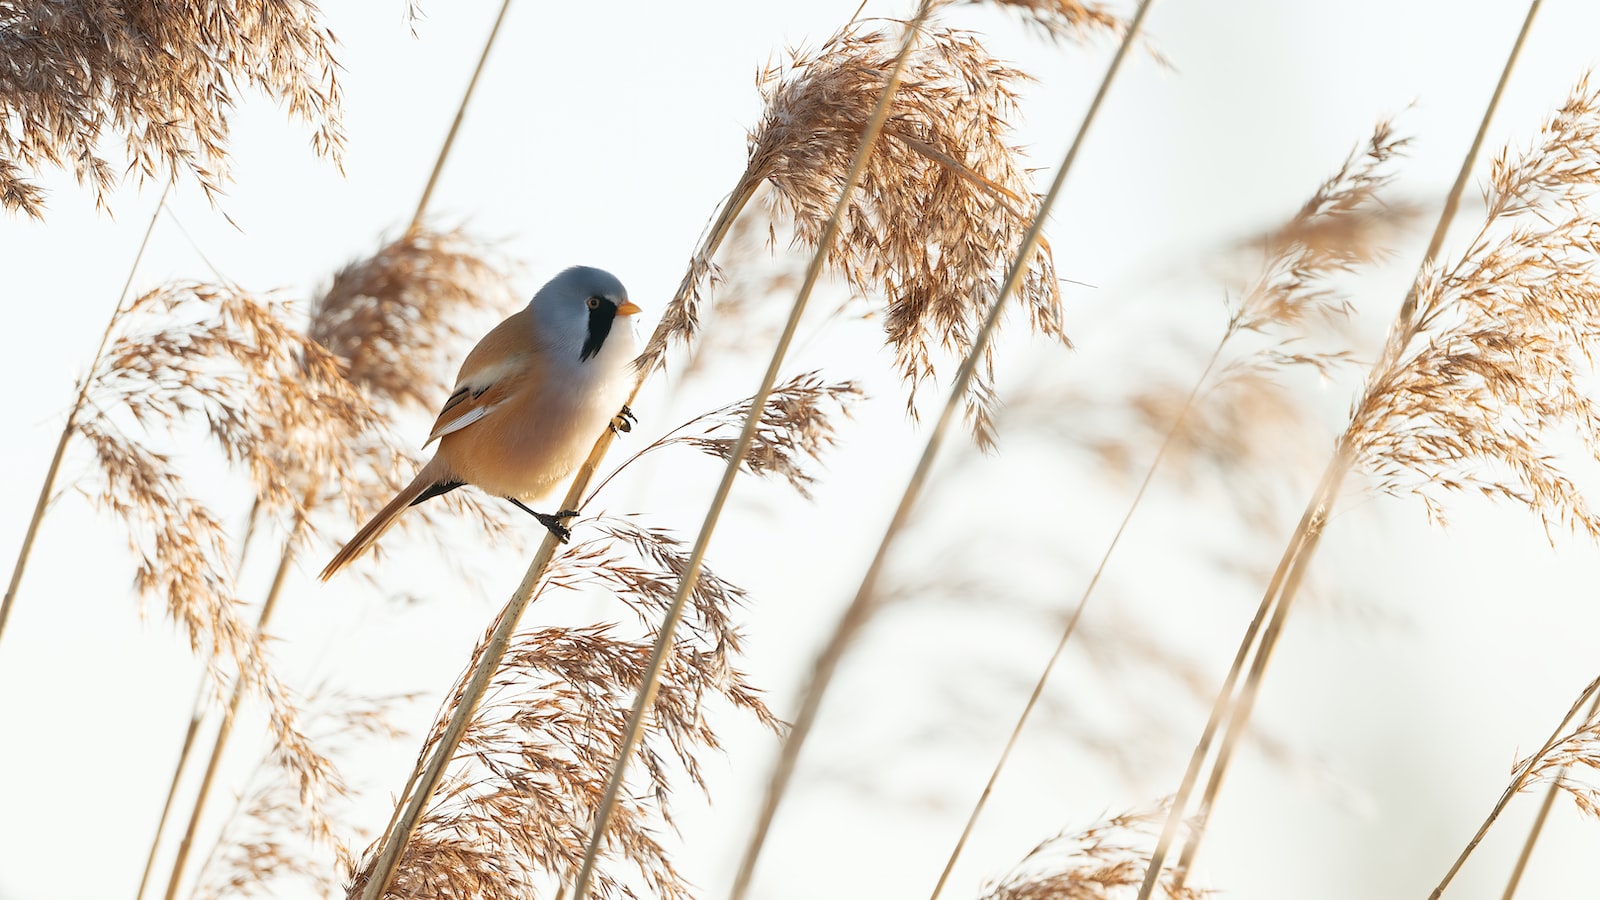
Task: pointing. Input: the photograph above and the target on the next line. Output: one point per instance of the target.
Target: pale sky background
(605, 134)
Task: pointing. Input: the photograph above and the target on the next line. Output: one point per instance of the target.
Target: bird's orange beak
(628, 308)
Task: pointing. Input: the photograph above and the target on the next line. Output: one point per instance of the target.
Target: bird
(527, 403)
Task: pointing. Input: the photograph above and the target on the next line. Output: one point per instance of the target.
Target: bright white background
(605, 133)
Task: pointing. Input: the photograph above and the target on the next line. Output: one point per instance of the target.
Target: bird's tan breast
(528, 446)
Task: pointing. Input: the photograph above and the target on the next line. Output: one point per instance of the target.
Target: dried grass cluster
(1492, 371)
(1103, 861)
(944, 200)
(161, 76)
(513, 815)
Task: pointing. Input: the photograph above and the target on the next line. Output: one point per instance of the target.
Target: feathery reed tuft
(161, 77)
(942, 202)
(394, 319)
(515, 809)
(257, 851)
(797, 425)
(1489, 372)
(1102, 861)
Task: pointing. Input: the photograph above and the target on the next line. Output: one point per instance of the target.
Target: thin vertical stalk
(71, 425)
(1540, 818)
(1302, 547)
(426, 777)
(1077, 613)
(455, 124)
(225, 730)
(197, 715)
(691, 574)
(861, 606)
(1517, 783)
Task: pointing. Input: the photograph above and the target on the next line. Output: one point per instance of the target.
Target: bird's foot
(556, 526)
(623, 421)
(554, 523)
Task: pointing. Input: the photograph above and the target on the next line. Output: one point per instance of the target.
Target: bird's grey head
(577, 308)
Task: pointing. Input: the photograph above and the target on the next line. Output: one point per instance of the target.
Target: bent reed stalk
(1297, 555)
(859, 609)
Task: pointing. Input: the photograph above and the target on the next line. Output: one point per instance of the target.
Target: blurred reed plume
(1061, 20)
(261, 849)
(398, 322)
(516, 806)
(1101, 862)
(396, 319)
(160, 78)
(274, 404)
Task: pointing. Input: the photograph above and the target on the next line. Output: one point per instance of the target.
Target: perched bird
(528, 402)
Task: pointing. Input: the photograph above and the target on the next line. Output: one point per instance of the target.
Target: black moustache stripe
(600, 319)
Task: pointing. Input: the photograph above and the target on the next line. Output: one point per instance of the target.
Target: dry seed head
(513, 815)
(394, 319)
(1493, 368)
(1106, 860)
(1061, 20)
(944, 200)
(273, 401)
(942, 205)
(263, 845)
(798, 423)
(160, 77)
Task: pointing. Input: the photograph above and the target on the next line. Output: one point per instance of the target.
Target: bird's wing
(503, 364)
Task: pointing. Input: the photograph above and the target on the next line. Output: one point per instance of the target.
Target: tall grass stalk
(1072, 621)
(1521, 780)
(1296, 559)
(856, 615)
(225, 729)
(197, 716)
(47, 487)
(664, 639)
(288, 551)
(455, 124)
(425, 779)
(1540, 818)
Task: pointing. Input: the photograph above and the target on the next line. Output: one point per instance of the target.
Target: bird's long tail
(374, 529)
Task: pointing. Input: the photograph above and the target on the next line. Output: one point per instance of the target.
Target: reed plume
(1101, 862)
(160, 78)
(1476, 393)
(945, 162)
(261, 848)
(518, 801)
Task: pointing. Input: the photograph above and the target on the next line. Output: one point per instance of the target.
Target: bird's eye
(593, 302)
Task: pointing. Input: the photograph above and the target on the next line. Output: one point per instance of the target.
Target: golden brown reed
(1240, 419)
(274, 404)
(1489, 377)
(1061, 20)
(798, 423)
(516, 807)
(1104, 861)
(396, 319)
(160, 78)
(941, 204)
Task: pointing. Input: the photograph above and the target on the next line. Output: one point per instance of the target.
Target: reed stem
(47, 489)
(225, 730)
(861, 606)
(1297, 556)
